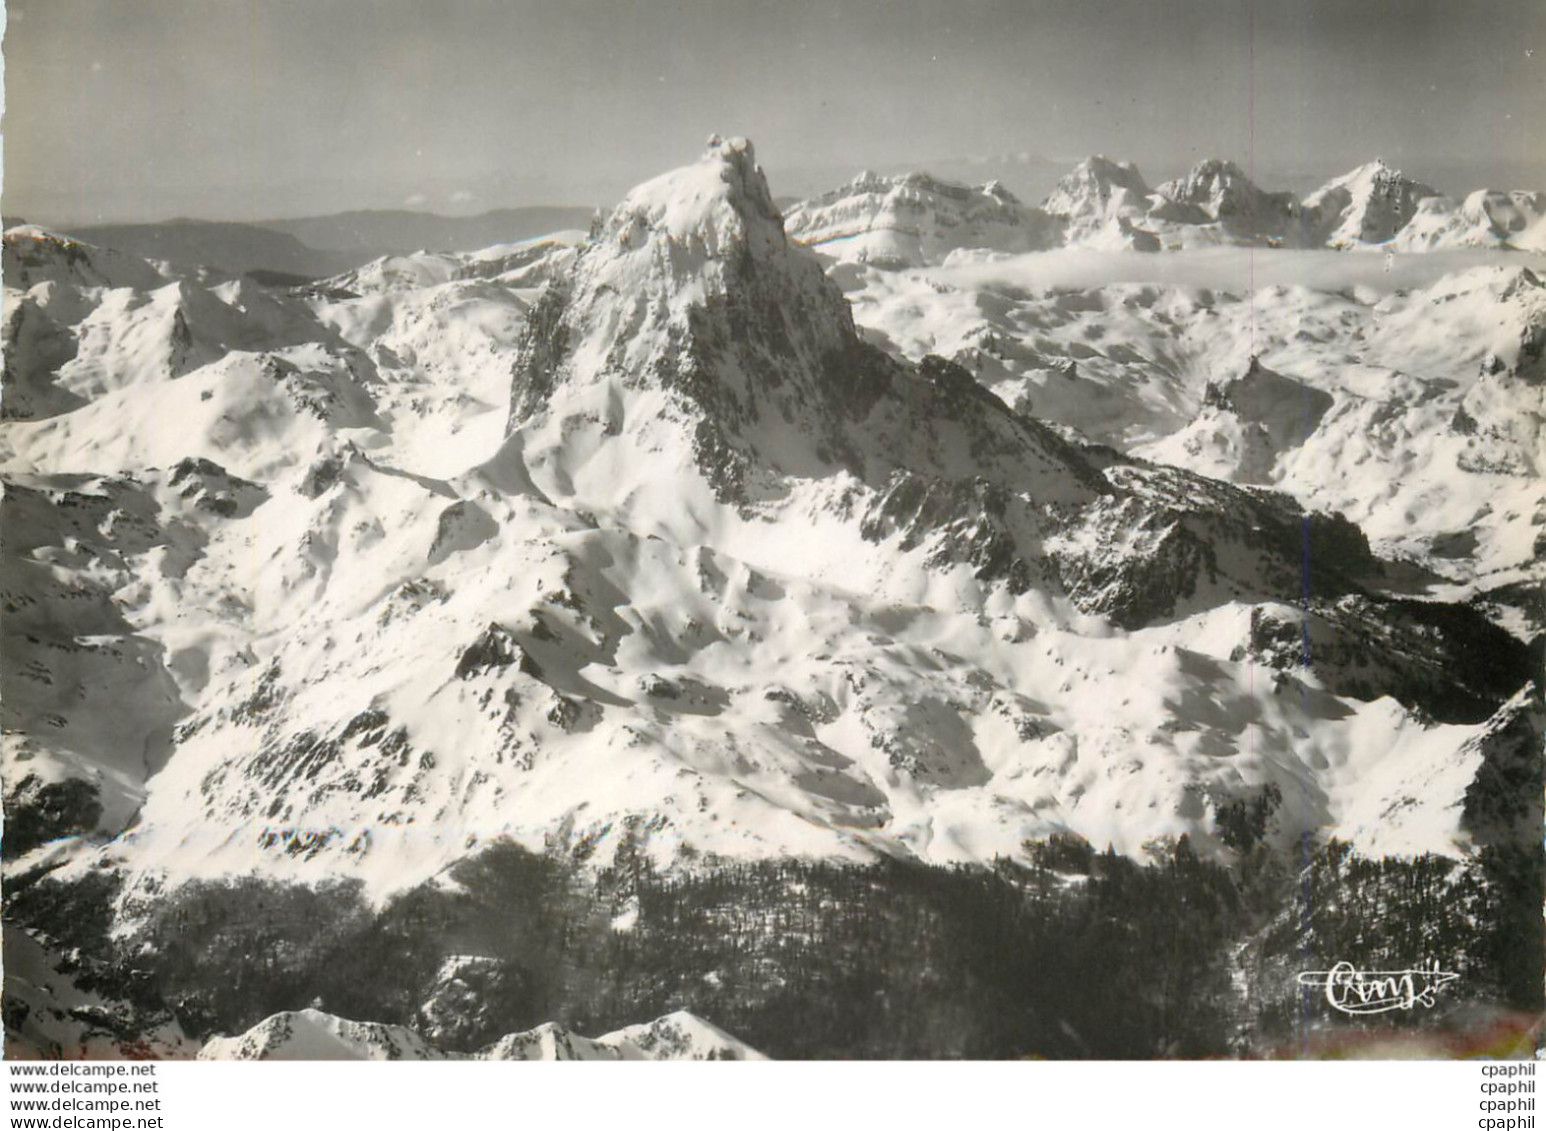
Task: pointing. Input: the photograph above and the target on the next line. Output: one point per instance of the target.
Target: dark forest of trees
(1077, 954)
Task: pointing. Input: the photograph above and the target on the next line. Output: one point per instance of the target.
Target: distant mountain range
(374, 233)
(1106, 205)
(318, 246)
(914, 218)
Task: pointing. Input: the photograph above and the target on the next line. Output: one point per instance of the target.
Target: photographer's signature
(1352, 990)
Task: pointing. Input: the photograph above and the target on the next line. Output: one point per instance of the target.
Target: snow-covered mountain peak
(998, 189)
(1378, 169)
(676, 239)
(719, 201)
(1094, 184)
(1219, 187)
(1385, 181)
(917, 220)
(1368, 205)
(723, 564)
(686, 324)
(34, 254)
(1100, 201)
(1109, 169)
(691, 334)
(1212, 170)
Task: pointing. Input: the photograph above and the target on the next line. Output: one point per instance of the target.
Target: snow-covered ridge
(917, 219)
(311, 1034)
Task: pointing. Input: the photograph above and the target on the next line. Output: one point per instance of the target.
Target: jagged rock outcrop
(1217, 191)
(1246, 424)
(1445, 661)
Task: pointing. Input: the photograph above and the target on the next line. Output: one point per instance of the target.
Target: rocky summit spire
(724, 194)
(707, 235)
(691, 325)
(690, 288)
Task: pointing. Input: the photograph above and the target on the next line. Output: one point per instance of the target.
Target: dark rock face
(766, 370)
(1263, 397)
(1166, 538)
(322, 475)
(543, 344)
(495, 649)
(37, 812)
(29, 258)
(1448, 661)
(1503, 804)
(1135, 562)
(961, 521)
(36, 348)
(212, 488)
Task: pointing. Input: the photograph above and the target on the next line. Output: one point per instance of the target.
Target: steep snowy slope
(731, 578)
(441, 331)
(916, 219)
(310, 1034)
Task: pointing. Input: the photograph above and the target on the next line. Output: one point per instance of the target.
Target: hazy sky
(244, 109)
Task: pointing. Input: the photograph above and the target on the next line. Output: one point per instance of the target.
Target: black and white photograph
(842, 530)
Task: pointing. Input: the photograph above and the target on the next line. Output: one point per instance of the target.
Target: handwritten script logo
(1351, 990)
